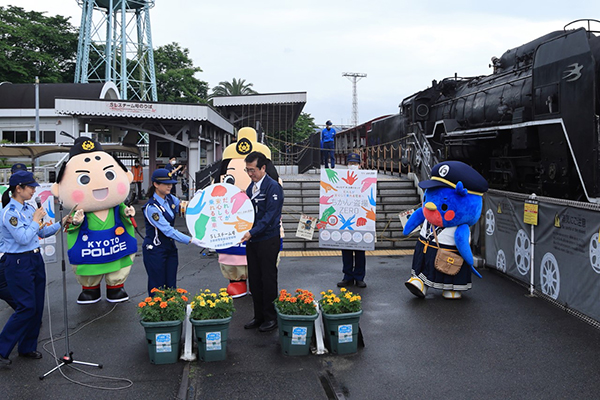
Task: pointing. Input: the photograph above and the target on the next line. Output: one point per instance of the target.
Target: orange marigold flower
(157, 299)
(184, 298)
(181, 291)
(163, 304)
(154, 290)
(151, 303)
(142, 304)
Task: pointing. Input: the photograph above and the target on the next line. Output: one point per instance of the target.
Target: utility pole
(354, 77)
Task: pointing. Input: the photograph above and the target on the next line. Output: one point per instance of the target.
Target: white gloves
(197, 242)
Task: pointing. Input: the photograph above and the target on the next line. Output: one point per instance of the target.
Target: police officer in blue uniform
(159, 250)
(21, 225)
(263, 241)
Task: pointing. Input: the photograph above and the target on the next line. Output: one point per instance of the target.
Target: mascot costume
(451, 204)
(101, 240)
(233, 171)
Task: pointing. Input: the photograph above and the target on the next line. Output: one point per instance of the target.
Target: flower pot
(211, 336)
(341, 332)
(295, 333)
(163, 341)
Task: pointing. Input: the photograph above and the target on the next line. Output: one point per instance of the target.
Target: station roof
(275, 111)
(142, 110)
(22, 95)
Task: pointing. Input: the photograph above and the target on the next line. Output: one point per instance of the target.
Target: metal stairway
(394, 194)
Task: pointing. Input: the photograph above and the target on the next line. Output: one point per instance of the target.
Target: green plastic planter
(211, 336)
(341, 332)
(163, 341)
(295, 333)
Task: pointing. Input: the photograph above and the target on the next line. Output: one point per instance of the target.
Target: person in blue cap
(159, 249)
(22, 226)
(18, 167)
(328, 145)
(354, 261)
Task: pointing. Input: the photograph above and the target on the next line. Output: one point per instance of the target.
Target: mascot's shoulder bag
(447, 261)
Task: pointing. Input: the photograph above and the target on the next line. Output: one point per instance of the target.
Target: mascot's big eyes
(83, 179)
(110, 175)
(444, 207)
(229, 179)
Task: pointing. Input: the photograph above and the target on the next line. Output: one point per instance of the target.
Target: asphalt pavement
(495, 343)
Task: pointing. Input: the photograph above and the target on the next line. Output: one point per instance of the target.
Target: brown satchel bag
(447, 261)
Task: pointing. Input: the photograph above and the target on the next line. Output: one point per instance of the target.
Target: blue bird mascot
(451, 204)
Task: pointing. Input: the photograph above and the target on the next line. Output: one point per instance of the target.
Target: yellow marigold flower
(330, 291)
(163, 304)
(206, 290)
(336, 300)
(213, 294)
(212, 305)
(142, 304)
(322, 293)
(202, 303)
(223, 289)
(343, 289)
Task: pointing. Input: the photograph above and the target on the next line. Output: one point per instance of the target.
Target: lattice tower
(354, 77)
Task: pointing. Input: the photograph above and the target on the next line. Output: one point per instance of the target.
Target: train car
(532, 126)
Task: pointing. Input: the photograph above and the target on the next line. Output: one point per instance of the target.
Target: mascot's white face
(236, 174)
(94, 181)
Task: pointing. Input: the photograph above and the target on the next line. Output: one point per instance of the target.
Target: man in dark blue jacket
(263, 241)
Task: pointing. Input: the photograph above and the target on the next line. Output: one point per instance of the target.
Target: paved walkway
(495, 343)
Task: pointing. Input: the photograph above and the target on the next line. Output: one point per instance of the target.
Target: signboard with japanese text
(347, 204)
(219, 215)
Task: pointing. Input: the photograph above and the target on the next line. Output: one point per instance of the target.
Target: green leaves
(237, 87)
(32, 44)
(175, 78)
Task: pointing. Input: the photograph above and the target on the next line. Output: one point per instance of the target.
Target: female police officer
(21, 225)
(159, 250)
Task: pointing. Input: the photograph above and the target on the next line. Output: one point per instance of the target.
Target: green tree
(237, 87)
(175, 80)
(304, 127)
(32, 44)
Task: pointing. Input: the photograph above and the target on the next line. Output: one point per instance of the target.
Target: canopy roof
(34, 150)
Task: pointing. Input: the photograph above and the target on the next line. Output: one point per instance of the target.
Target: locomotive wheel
(550, 276)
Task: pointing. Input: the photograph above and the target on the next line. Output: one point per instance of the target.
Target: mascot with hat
(233, 171)
(101, 240)
(451, 204)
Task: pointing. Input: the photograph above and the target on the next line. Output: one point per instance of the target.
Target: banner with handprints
(219, 215)
(347, 204)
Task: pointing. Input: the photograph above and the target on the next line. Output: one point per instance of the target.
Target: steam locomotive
(532, 126)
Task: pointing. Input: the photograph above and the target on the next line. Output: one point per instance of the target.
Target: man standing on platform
(263, 242)
(138, 178)
(328, 145)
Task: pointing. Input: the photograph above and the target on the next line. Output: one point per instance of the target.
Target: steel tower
(354, 77)
(115, 44)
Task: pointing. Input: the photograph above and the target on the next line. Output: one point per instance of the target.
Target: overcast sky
(285, 46)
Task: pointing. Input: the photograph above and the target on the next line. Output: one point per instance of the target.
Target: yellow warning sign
(499, 209)
(530, 212)
(556, 221)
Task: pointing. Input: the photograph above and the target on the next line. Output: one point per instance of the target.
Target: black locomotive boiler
(532, 126)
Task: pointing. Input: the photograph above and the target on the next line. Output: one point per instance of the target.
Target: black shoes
(34, 355)
(345, 283)
(5, 361)
(253, 324)
(361, 284)
(268, 326)
(89, 296)
(116, 295)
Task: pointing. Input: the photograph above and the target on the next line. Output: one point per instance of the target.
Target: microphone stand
(68, 357)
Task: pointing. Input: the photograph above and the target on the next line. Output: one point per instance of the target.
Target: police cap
(449, 173)
(162, 175)
(23, 178)
(17, 167)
